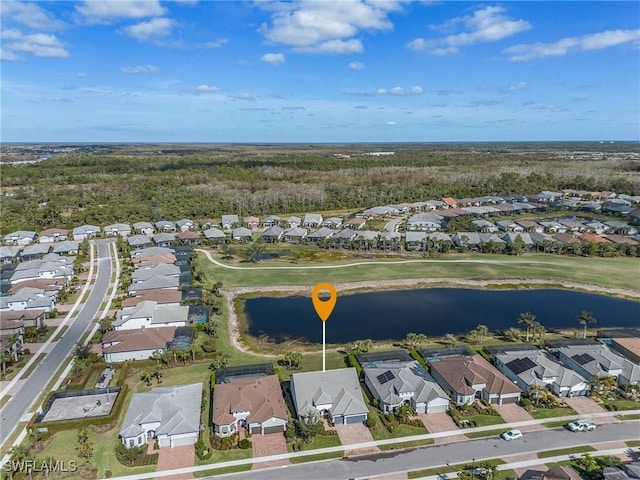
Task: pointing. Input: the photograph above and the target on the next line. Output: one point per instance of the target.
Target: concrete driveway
(441, 422)
(269, 444)
(511, 412)
(356, 433)
(584, 405)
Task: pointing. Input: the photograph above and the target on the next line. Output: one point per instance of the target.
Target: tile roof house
(20, 238)
(293, 221)
(332, 222)
(189, 237)
(154, 283)
(242, 234)
(28, 318)
(185, 224)
(485, 226)
(251, 222)
(35, 251)
(165, 226)
(427, 222)
(598, 360)
(147, 314)
(66, 247)
(9, 254)
(538, 367)
(164, 240)
(295, 235)
(253, 403)
(29, 298)
(144, 228)
(139, 241)
(471, 377)
(415, 240)
(163, 298)
(215, 235)
(273, 220)
(312, 220)
(161, 269)
(171, 415)
(396, 383)
(230, 221)
(628, 347)
(53, 235)
(84, 232)
(138, 344)
(335, 393)
(319, 235)
(117, 229)
(50, 266)
(272, 235)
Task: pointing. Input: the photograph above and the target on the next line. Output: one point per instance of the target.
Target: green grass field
(619, 272)
(542, 413)
(565, 451)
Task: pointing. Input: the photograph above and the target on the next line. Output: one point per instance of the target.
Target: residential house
(553, 227)
(535, 367)
(255, 404)
(162, 283)
(28, 318)
(34, 251)
(9, 254)
(170, 415)
(215, 236)
(469, 377)
(344, 237)
(29, 298)
(185, 224)
(230, 221)
(85, 232)
(207, 223)
(597, 360)
(628, 347)
(573, 225)
(312, 220)
(397, 383)
(139, 241)
(434, 205)
(272, 235)
(485, 226)
(530, 226)
(427, 222)
(355, 223)
(474, 240)
(159, 270)
(241, 234)
(295, 235)
(415, 241)
(144, 228)
(165, 226)
(510, 238)
(596, 227)
(148, 252)
(117, 229)
(366, 239)
(20, 238)
(163, 298)
(50, 285)
(490, 200)
(389, 241)
(450, 202)
(164, 240)
(53, 235)
(621, 228)
(272, 221)
(50, 266)
(66, 247)
(293, 221)
(320, 235)
(147, 314)
(335, 394)
(137, 344)
(509, 226)
(547, 197)
(189, 237)
(251, 222)
(332, 222)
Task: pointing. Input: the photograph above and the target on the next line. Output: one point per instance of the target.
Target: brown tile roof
(592, 237)
(158, 295)
(22, 315)
(566, 238)
(631, 344)
(528, 223)
(138, 339)
(52, 231)
(154, 260)
(449, 201)
(260, 396)
(615, 238)
(462, 372)
(188, 235)
(46, 284)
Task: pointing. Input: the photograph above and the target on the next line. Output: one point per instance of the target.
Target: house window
(225, 430)
(131, 443)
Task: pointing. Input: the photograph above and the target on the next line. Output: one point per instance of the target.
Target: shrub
(244, 444)
(209, 346)
(371, 422)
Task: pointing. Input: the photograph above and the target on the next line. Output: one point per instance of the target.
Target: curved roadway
(36, 382)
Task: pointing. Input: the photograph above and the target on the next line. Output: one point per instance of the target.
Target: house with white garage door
(335, 394)
(397, 383)
(170, 415)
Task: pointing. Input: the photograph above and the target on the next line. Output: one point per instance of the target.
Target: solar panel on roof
(385, 377)
(520, 365)
(583, 359)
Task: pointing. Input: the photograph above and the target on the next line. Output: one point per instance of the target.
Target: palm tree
(512, 334)
(157, 356)
(539, 331)
(157, 373)
(527, 319)
(146, 377)
(483, 331)
(450, 339)
(193, 349)
(4, 359)
(585, 318)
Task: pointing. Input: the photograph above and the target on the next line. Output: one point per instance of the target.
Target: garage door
(255, 429)
(510, 400)
(181, 442)
(356, 419)
(274, 429)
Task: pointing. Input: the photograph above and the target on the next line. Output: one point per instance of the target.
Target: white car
(511, 435)
(581, 426)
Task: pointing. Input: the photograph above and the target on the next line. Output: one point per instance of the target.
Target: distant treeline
(128, 187)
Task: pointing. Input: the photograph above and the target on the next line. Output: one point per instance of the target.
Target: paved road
(453, 453)
(33, 385)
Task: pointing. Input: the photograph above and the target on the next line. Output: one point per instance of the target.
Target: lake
(390, 315)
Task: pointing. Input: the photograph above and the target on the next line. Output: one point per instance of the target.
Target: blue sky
(319, 71)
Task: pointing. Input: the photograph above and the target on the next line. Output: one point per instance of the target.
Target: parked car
(511, 435)
(581, 426)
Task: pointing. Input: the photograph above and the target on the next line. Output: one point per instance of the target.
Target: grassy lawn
(633, 443)
(565, 451)
(635, 416)
(487, 433)
(380, 432)
(428, 472)
(555, 424)
(315, 458)
(319, 441)
(619, 404)
(613, 272)
(542, 413)
(222, 471)
(410, 444)
(484, 420)
(61, 446)
(225, 456)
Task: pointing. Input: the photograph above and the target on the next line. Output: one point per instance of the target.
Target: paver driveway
(511, 412)
(176, 457)
(441, 422)
(584, 405)
(356, 433)
(269, 444)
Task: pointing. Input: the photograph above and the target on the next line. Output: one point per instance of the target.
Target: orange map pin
(324, 307)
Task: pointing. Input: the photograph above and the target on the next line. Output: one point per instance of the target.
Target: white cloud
(318, 26)
(356, 66)
(14, 43)
(596, 41)
(242, 96)
(392, 123)
(154, 28)
(92, 11)
(518, 87)
(8, 55)
(31, 15)
(215, 44)
(415, 90)
(488, 24)
(140, 70)
(273, 58)
(206, 88)
(82, 74)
